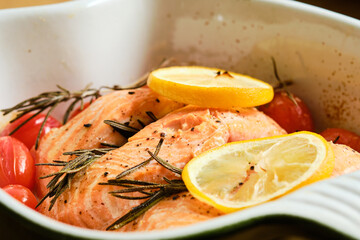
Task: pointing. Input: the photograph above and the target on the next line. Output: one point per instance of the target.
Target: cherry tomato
(342, 136)
(79, 110)
(23, 194)
(28, 133)
(16, 163)
(290, 116)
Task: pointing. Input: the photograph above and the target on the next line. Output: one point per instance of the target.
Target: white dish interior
(107, 42)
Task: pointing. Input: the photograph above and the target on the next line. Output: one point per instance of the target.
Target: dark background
(346, 7)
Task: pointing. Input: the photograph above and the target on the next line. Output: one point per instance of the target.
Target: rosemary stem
(166, 164)
(43, 124)
(137, 211)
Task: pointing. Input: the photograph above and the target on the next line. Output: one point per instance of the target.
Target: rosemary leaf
(70, 109)
(137, 211)
(137, 189)
(174, 181)
(151, 115)
(121, 128)
(276, 73)
(96, 151)
(23, 123)
(67, 91)
(85, 164)
(166, 164)
(62, 186)
(50, 164)
(130, 198)
(133, 169)
(104, 144)
(141, 123)
(59, 161)
(142, 164)
(43, 124)
(282, 84)
(53, 181)
(126, 181)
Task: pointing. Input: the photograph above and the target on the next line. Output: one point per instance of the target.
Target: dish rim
(54, 226)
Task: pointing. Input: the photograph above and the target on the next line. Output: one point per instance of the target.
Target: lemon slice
(210, 87)
(243, 174)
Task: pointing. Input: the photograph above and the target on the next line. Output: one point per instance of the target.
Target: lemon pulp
(210, 87)
(247, 173)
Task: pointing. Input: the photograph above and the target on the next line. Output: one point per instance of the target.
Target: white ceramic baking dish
(109, 42)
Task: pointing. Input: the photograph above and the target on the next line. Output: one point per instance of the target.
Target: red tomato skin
(17, 166)
(79, 110)
(346, 137)
(23, 194)
(28, 133)
(287, 114)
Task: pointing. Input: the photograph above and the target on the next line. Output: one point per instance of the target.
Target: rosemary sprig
(165, 190)
(61, 179)
(145, 189)
(48, 101)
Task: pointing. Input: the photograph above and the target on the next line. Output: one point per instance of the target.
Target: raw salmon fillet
(124, 106)
(188, 132)
(347, 160)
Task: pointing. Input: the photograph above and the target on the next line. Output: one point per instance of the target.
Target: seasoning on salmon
(187, 132)
(347, 160)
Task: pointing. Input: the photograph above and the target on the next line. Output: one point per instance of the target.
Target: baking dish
(107, 42)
